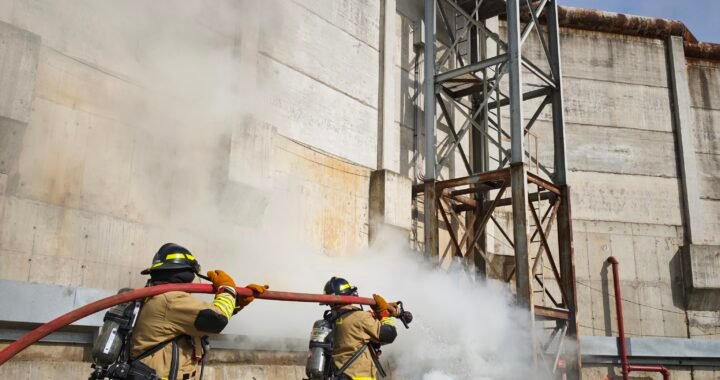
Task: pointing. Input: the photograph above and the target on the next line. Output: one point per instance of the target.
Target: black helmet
(340, 287)
(173, 256)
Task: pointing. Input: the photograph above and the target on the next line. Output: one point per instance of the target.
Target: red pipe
(620, 320)
(626, 366)
(82, 312)
(651, 368)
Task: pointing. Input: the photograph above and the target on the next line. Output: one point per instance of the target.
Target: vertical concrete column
(682, 117)
(518, 169)
(390, 202)
(390, 206)
(388, 134)
(19, 57)
(430, 209)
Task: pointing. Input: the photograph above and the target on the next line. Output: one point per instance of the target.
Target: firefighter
(172, 328)
(359, 334)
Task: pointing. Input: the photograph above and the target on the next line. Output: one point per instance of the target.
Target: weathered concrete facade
(79, 191)
(95, 172)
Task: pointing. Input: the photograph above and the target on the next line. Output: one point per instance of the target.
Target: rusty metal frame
(465, 189)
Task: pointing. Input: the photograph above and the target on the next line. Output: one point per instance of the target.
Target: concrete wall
(626, 183)
(704, 84)
(93, 176)
(79, 189)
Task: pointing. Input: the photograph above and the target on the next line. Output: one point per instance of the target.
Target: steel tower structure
(483, 85)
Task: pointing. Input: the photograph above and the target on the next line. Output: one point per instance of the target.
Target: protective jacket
(353, 329)
(182, 316)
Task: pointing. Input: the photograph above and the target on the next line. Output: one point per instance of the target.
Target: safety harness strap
(174, 364)
(352, 359)
(175, 359)
(155, 349)
(376, 359)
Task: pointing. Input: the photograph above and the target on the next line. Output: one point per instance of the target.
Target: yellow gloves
(383, 308)
(257, 289)
(244, 301)
(221, 280)
(381, 305)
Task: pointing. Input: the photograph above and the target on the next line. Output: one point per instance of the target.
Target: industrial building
(124, 125)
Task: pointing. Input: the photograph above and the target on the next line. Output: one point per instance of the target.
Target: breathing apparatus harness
(320, 364)
(111, 351)
(112, 348)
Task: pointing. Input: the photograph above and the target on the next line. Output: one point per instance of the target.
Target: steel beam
(479, 149)
(515, 83)
(429, 91)
(532, 94)
(551, 313)
(456, 138)
(431, 227)
(469, 204)
(547, 185)
(430, 212)
(566, 252)
(518, 182)
(491, 176)
(558, 113)
(472, 68)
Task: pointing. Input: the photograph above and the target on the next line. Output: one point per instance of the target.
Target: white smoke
(463, 328)
(196, 89)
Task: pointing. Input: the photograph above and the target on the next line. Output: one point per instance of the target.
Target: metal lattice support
(477, 81)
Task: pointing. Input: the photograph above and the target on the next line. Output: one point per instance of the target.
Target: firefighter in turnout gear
(172, 328)
(359, 334)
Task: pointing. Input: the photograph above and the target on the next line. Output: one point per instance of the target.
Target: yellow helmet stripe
(346, 286)
(180, 256)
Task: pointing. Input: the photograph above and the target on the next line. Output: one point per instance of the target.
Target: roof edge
(640, 26)
(611, 22)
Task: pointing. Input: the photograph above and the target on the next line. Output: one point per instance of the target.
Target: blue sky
(702, 17)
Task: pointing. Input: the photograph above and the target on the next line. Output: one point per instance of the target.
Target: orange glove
(244, 301)
(257, 289)
(221, 280)
(381, 306)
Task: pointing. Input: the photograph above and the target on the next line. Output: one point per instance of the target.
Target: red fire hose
(622, 344)
(82, 312)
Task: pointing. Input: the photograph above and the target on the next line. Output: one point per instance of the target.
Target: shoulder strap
(153, 350)
(333, 316)
(175, 354)
(376, 360)
(175, 362)
(352, 359)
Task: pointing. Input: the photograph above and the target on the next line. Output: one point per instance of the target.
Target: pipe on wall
(622, 343)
